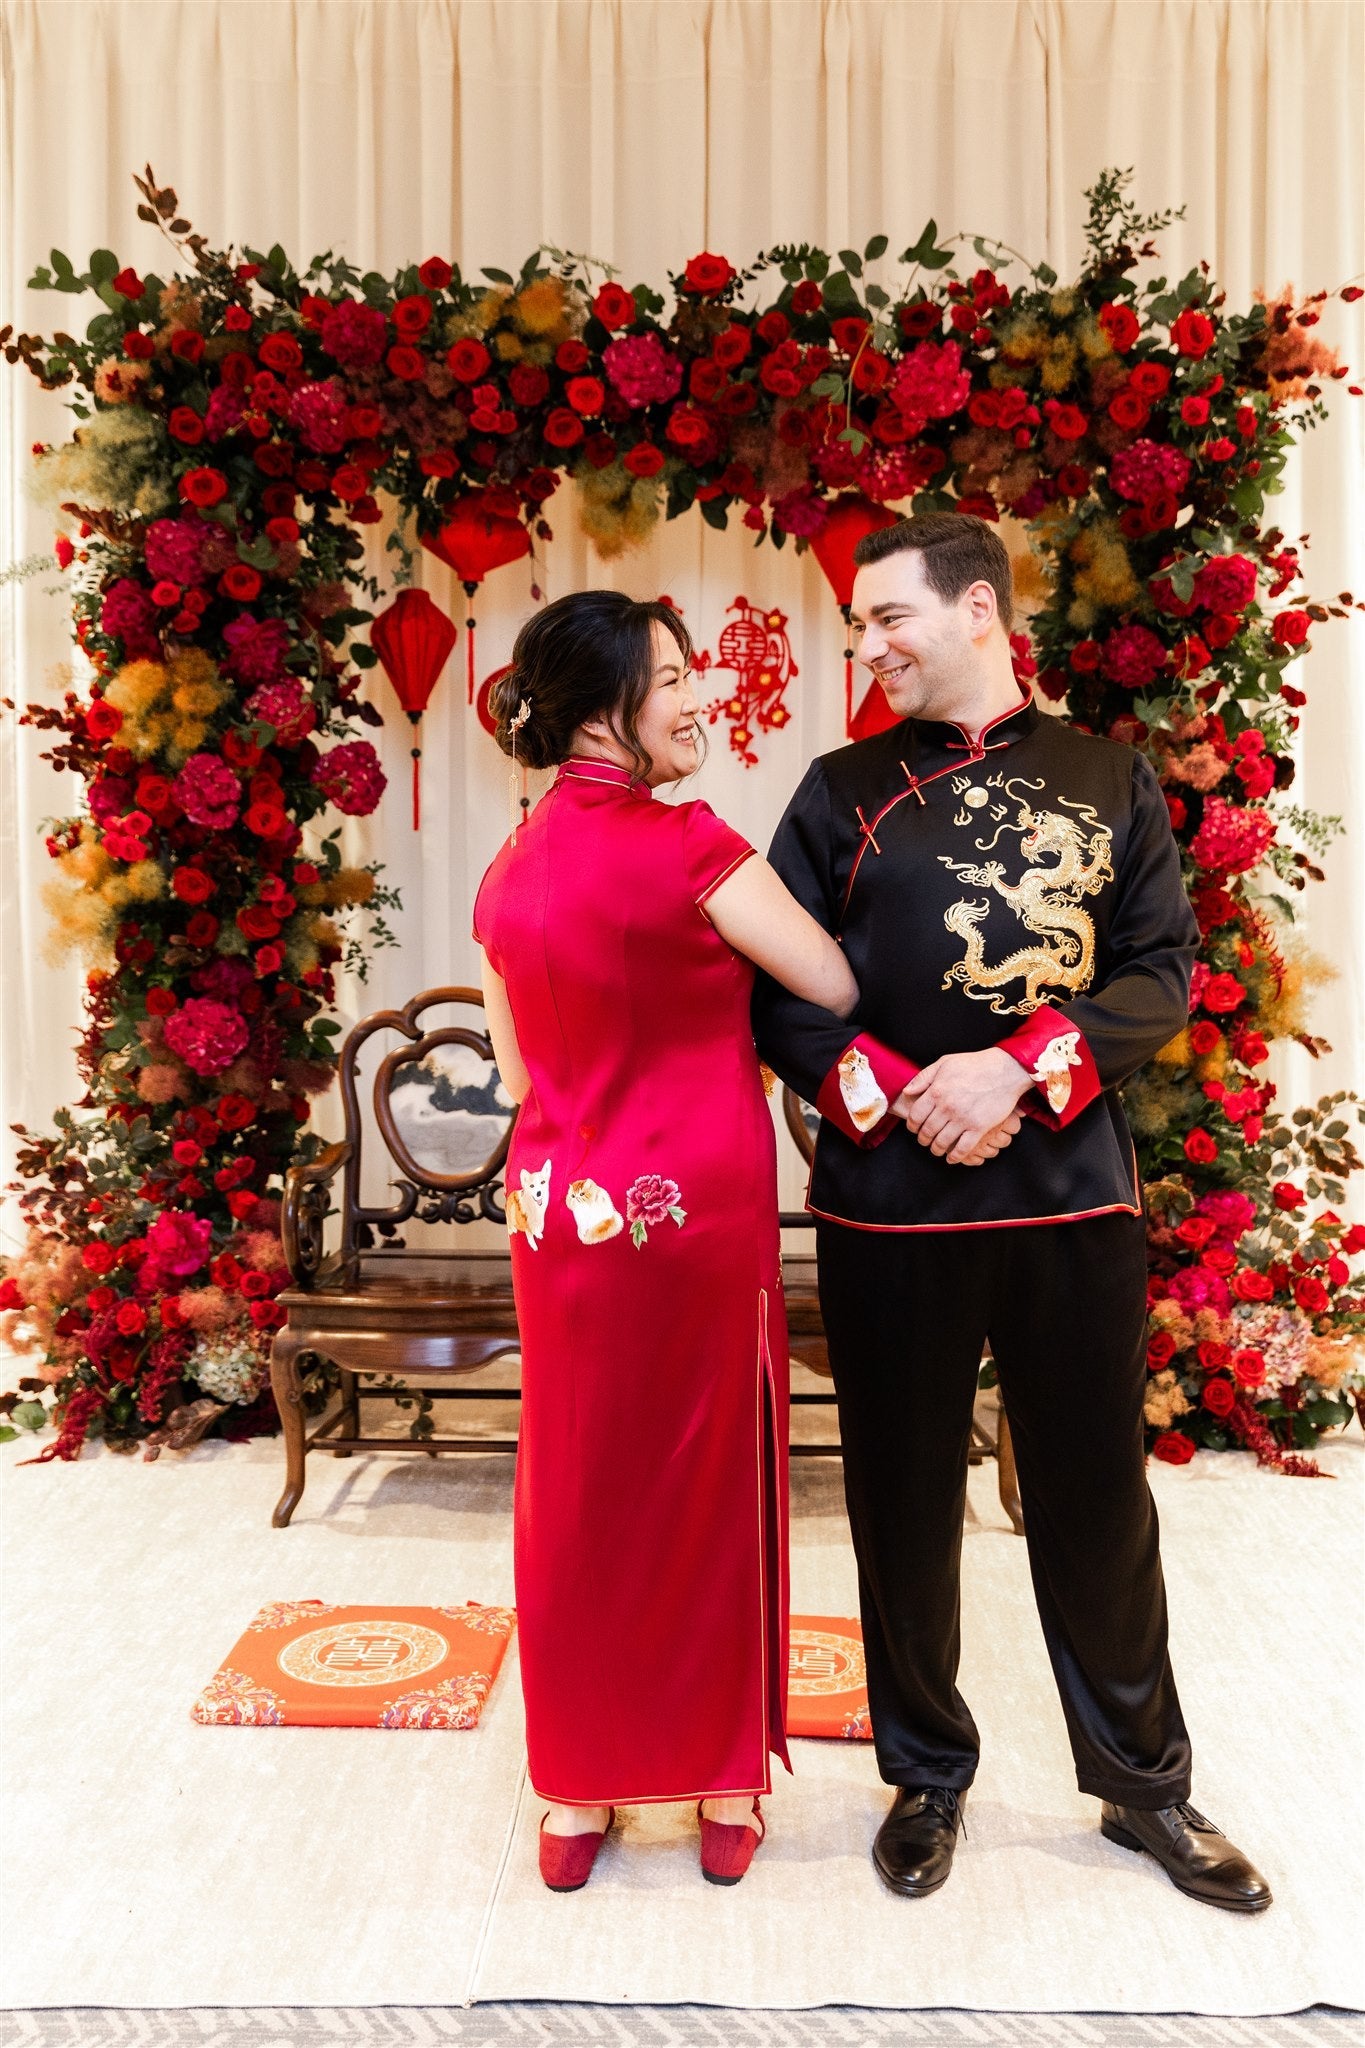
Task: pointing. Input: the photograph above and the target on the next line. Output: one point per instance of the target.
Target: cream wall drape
(640, 131)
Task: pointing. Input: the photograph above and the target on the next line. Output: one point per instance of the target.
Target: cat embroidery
(863, 1097)
(526, 1205)
(594, 1212)
(1052, 1068)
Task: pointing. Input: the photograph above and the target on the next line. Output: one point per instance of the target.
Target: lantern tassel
(470, 588)
(847, 611)
(416, 774)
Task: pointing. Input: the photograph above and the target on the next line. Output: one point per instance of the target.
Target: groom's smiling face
(925, 651)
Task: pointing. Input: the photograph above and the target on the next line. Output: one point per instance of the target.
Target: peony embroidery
(648, 1200)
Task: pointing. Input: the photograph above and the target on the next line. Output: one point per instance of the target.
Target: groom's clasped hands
(963, 1106)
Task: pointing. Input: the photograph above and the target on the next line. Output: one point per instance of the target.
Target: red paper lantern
(413, 640)
(477, 537)
(483, 703)
(850, 517)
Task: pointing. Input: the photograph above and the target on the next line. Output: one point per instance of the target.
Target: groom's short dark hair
(958, 550)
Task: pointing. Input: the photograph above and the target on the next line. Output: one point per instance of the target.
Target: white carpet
(151, 1862)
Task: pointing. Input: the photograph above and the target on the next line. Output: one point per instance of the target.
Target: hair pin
(523, 712)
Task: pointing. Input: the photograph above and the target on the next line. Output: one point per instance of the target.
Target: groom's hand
(957, 1102)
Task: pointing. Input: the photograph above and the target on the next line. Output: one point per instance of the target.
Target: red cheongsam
(651, 1484)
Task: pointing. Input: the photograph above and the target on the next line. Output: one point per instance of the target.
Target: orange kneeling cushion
(307, 1663)
(827, 1679)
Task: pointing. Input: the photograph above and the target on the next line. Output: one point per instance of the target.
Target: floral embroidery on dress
(594, 1212)
(648, 1200)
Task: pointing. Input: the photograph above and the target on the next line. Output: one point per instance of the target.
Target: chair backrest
(445, 1120)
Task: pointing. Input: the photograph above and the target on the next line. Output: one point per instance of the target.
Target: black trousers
(1063, 1305)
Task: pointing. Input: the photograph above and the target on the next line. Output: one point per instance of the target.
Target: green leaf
(363, 655)
(1045, 274)
(29, 1414)
(7, 1435)
(104, 265)
(875, 296)
(497, 276)
(716, 513)
(852, 262)
(875, 248)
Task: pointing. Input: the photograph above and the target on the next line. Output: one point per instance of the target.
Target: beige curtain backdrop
(640, 131)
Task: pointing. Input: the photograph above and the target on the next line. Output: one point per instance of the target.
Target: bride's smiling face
(667, 720)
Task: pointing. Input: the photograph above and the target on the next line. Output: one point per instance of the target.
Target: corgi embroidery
(526, 1205)
(594, 1212)
(863, 1097)
(1052, 1070)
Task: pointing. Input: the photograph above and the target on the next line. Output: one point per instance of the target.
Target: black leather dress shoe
(1196, 1856)
(914, 1848)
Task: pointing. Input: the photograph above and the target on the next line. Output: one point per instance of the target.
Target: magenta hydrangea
(800, 512)
(208, 792)
(285, 706)
(1148, 467)
(109, 797)
(223, 414)
(930, 383)
(350, 777)
(177, 1245)
(1132, 657)
(127, 614)
(208, 1036)
(1231, 840)
(355, 335)
(642, 370)
(174, 549)
(256, 649)
(1196, 1287)
(319, 413)
(887, 475)
(1232, 1212)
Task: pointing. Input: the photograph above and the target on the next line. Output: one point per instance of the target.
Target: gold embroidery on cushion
(1046, 899)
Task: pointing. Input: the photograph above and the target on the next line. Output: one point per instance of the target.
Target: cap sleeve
(483, 937)
(712, 850)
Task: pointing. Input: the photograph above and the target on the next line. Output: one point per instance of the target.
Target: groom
(1008, 892)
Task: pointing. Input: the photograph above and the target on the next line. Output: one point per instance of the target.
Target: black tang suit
(1021, 888)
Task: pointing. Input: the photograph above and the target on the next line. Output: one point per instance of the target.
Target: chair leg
(1007, 1478)
(350, 1408)
(284, 1380)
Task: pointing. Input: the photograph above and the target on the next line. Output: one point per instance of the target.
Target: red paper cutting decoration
(850, 518)
(477, 537)
(756, 647)
(413, 640)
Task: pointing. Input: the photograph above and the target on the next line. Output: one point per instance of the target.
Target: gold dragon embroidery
(1046, 899)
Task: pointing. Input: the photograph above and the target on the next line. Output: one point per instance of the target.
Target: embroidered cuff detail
(857, 1093)
(1060, 1065)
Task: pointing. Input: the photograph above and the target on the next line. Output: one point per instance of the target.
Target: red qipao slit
(651, 1485)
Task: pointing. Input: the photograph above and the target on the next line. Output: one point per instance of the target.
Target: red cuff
(1060, 1064)
(857, 1093)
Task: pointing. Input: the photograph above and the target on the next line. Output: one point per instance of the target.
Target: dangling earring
(523, 712)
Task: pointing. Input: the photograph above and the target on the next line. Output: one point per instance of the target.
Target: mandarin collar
(997, 732)
(587, 768)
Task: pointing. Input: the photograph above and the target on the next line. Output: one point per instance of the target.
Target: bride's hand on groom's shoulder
(963, 1107)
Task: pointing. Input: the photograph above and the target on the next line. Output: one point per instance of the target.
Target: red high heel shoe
(566, 1861)
(727, 1849)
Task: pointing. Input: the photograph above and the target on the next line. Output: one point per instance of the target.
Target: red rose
(435, 273)
(185, 425)
(1248, 1368)
(255, 921)
(1160, 1350)
(1205, 1037)
(563, 428)
(779, 378)
(708, 273)
(201, 929)
(920, 319)
(870, 371)
(586, 395)
(280, 352)
(1068, 423)
(1354, 1240)
(266, 820)
(730, 349)
(128, 284)
(1286, 1196)
(102, 720)
(1251, 1285)
(160, 1002)
(411, 316)
(97, 1257)
(272, 458)
(528, 384)
(406, 363)
(1196, 1230)
(187, 345)
(1200, 1148)
(1290, 629)
(614, 306)
(1194, 411)
(241, 581)
(688, 428)
(1120, 324)
(1311, 1295)
(187, 1152)
(1220, 1397)
(1222, 992)
(269, 959)
(1150, 380)
(1172, 1448)
(203, 486)
(1221, 450)
(267, 1315)
(644, 459)
(234, 1112)
(774, 327)
(1128, 410)
(1193, 332)
(467, 359)
(808, 297)
(706, 380)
